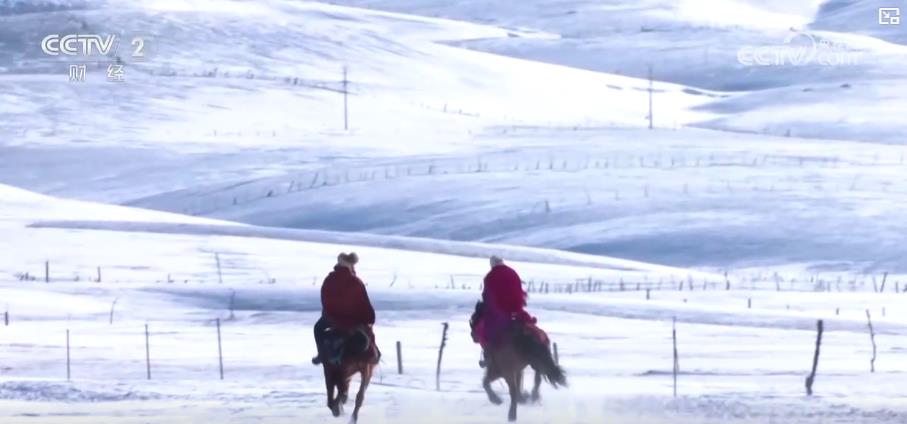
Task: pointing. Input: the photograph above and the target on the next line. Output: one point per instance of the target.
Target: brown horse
(338, 376)
(518, 349)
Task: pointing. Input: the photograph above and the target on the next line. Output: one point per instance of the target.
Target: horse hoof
(495, 400)
(524, 397)
(535, 398)
(336, 410)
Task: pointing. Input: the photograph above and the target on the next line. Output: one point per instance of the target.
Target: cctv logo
(77, 44)
(889, 16)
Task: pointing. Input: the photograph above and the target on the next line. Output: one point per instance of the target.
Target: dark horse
(519, 346)
(350, 353)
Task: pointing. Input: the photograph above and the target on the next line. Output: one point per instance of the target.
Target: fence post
(440, 354)
(220, 351)
(345, 94)
(46, 271)
(6, 319)
(220, 275)
(812, 376)
(399, 358)
(147, 352)
(112, 306)
(676, 359)
(650, 98)
(557, 360)
(68, 374)
(99, 274)
(872, 338)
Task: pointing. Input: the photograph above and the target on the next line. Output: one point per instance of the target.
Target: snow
(765, 199)
(728, 371)
(697, 43)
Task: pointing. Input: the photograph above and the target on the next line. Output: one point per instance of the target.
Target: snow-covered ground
(743, 353)
(766, 198)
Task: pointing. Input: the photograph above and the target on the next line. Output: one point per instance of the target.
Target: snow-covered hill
(228, 129)
(697, 199)
(221, 75)
(233, 130)
(811, 50)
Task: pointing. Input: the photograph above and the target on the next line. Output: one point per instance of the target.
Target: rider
(345, 306)
(503, 301)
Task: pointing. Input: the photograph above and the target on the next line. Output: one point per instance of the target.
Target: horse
(352, 351)
(520, 345)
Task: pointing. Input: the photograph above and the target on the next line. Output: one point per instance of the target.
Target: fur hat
(495, 260)
(348, 260)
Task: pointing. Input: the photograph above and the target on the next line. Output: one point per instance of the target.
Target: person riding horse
(502, 305)
(345, 309)
(510, 339)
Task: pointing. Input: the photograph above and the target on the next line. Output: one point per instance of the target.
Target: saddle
(340, 345)
(526, 326)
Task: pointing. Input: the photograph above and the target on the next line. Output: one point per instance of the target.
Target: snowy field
(743, 352)
(218, 183)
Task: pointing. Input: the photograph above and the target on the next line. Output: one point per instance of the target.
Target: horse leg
(535, 388)
(486, 384)
(330, 384)
(513, 384)
(366, 377)
(524, 396)
(344, 391)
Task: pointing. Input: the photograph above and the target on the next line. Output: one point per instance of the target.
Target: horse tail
(540, 358)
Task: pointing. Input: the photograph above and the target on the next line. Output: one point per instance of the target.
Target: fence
(756, 281)
(212, 199)
(167, 348)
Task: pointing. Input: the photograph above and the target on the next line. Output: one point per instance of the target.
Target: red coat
(344, 301)
(504, 300)
(504, 291)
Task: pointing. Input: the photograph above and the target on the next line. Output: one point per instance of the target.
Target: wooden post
(46, 271)
(345, 109)
(220, 275)
(749, 303)
(440, 354)
(6, 319)
(812, 376)
(113, 305)
(651, 125)
(884, 278)
(557, 359)
(147, 352)
(872, 338)
(399, 358)
(220, 351)
(676, 359)
(68, 374)
(99, 274)
(648, 294)
(232, 302)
